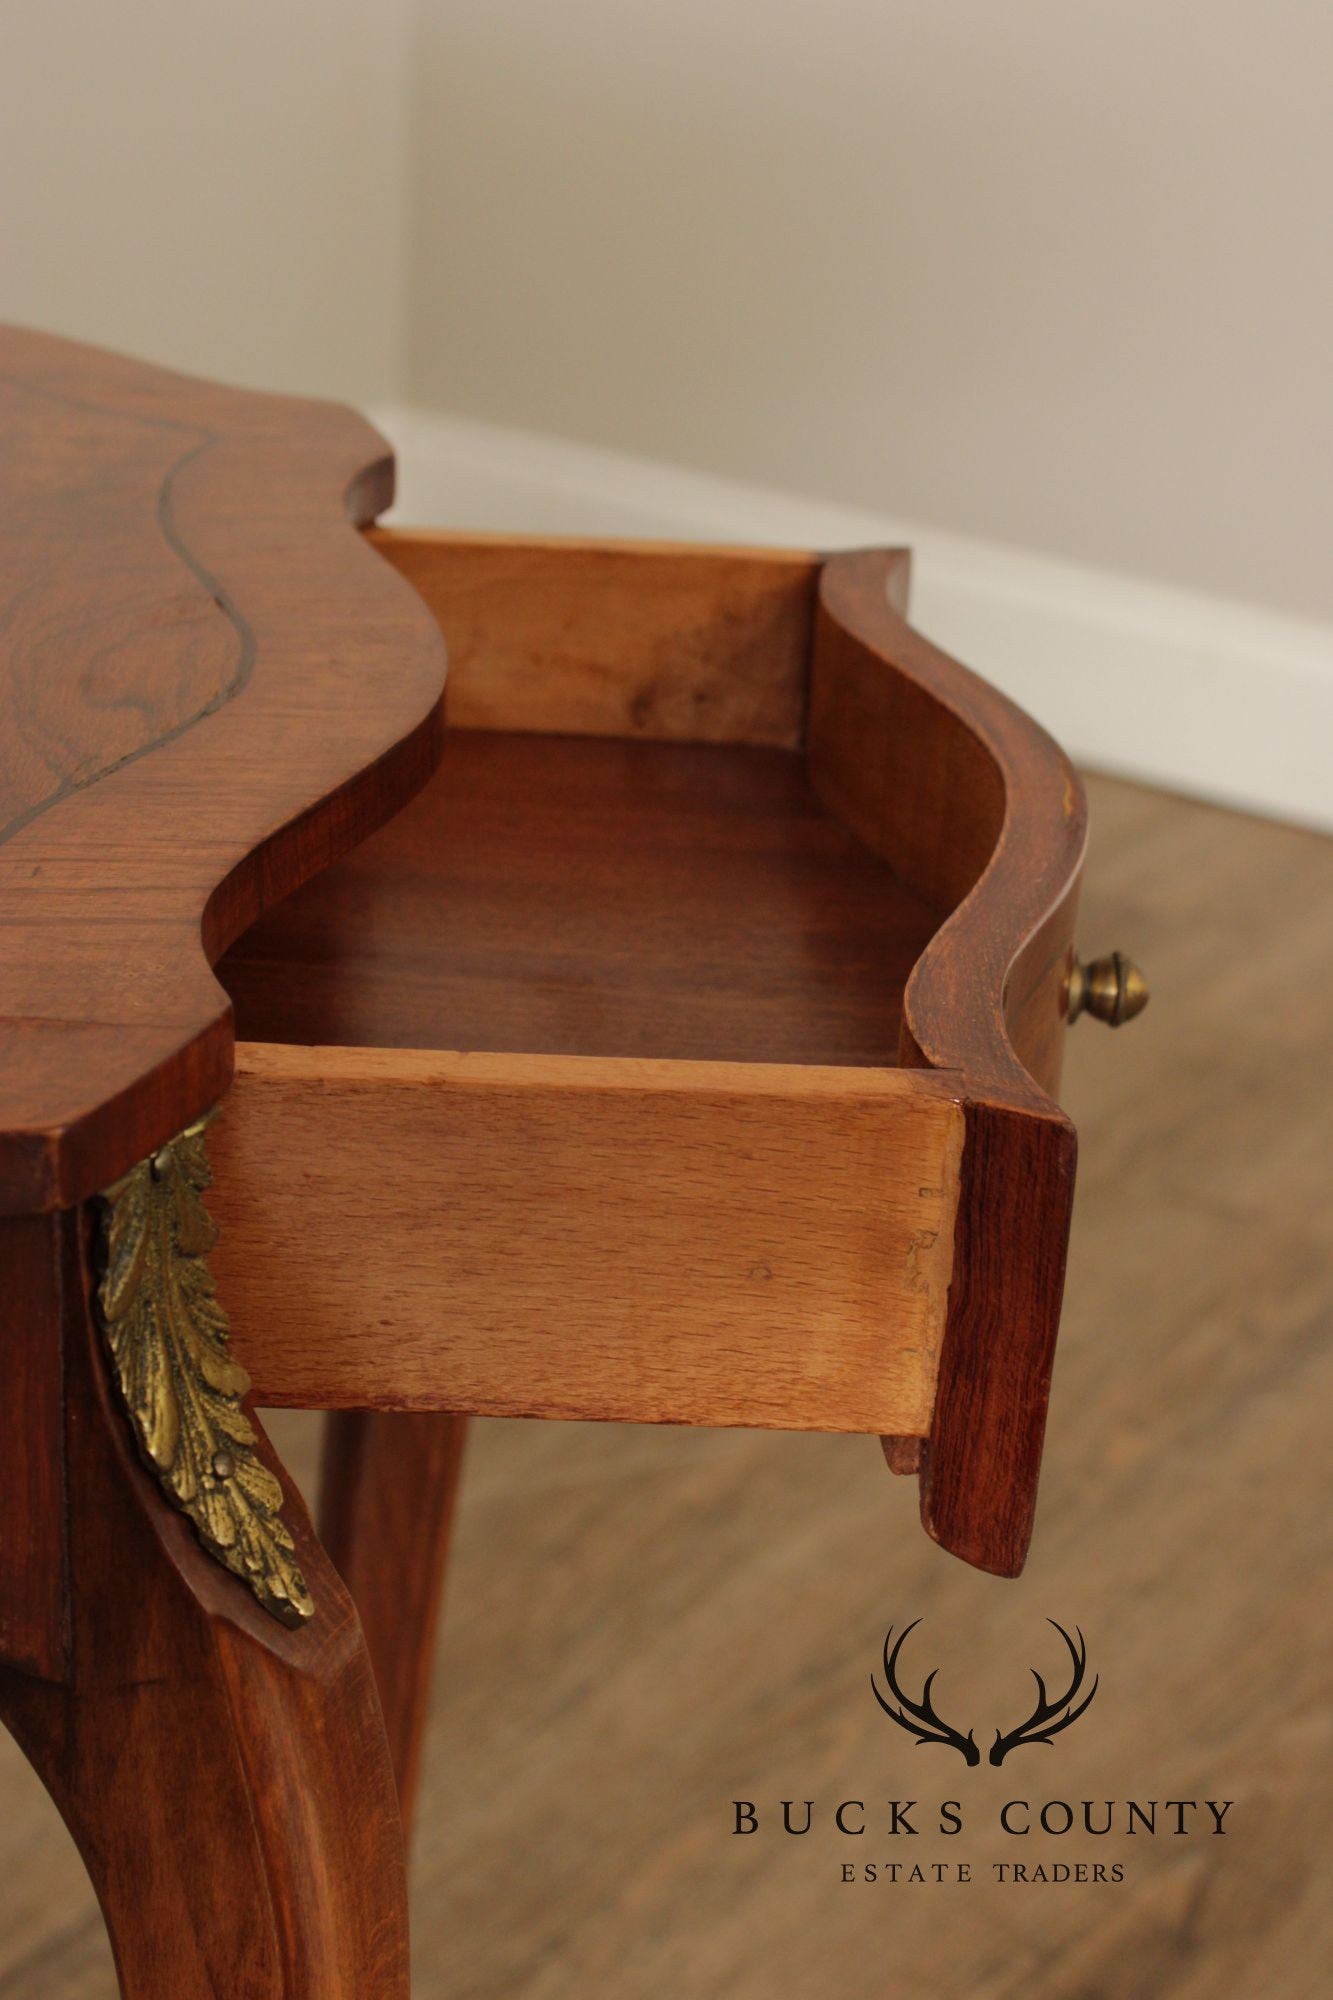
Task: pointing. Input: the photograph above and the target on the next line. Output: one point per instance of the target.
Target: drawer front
(660, 1242)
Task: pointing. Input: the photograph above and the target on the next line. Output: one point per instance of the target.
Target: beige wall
(214, 183)
(1048, 271)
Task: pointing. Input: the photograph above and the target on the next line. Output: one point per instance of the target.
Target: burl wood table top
(189, 623)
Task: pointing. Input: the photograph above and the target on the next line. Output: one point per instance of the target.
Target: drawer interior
(726, 808)
(723, 808)
(598, 896)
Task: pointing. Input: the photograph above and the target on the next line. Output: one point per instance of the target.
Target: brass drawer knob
(1111, 989)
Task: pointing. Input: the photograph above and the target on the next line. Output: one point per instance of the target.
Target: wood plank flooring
(643, 1625)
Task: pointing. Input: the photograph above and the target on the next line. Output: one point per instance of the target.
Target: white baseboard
(1223, 701)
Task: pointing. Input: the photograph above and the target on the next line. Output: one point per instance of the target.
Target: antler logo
(1047, 1719)
(919, 1718)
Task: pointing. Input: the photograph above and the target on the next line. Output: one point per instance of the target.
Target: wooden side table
(673, 1042)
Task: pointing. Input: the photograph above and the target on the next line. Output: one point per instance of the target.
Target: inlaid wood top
(209, 687)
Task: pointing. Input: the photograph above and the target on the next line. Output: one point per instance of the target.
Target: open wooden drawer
(682, 1052)
(671, 1038)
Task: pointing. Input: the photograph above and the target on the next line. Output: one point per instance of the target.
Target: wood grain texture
(980, 1466)
(209, 687)
(387, 1490)
(611, 898)
(34, 1561)
(974, 804)
(572, 896)
(953, 784)
(564, 1237)
(697, 645)
(228, 1782)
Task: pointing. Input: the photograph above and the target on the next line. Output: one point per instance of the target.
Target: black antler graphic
(920, 1719)
(1048, 1718)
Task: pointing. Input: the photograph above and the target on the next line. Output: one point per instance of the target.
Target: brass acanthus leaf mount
(167, 1336)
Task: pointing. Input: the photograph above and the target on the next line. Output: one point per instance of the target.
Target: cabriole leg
(226, 1777)
(386, 1510)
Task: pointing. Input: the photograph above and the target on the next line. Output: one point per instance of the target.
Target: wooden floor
(644, 1625)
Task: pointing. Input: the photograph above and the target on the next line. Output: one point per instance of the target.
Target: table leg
(387, 1496)
(227, 1779)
